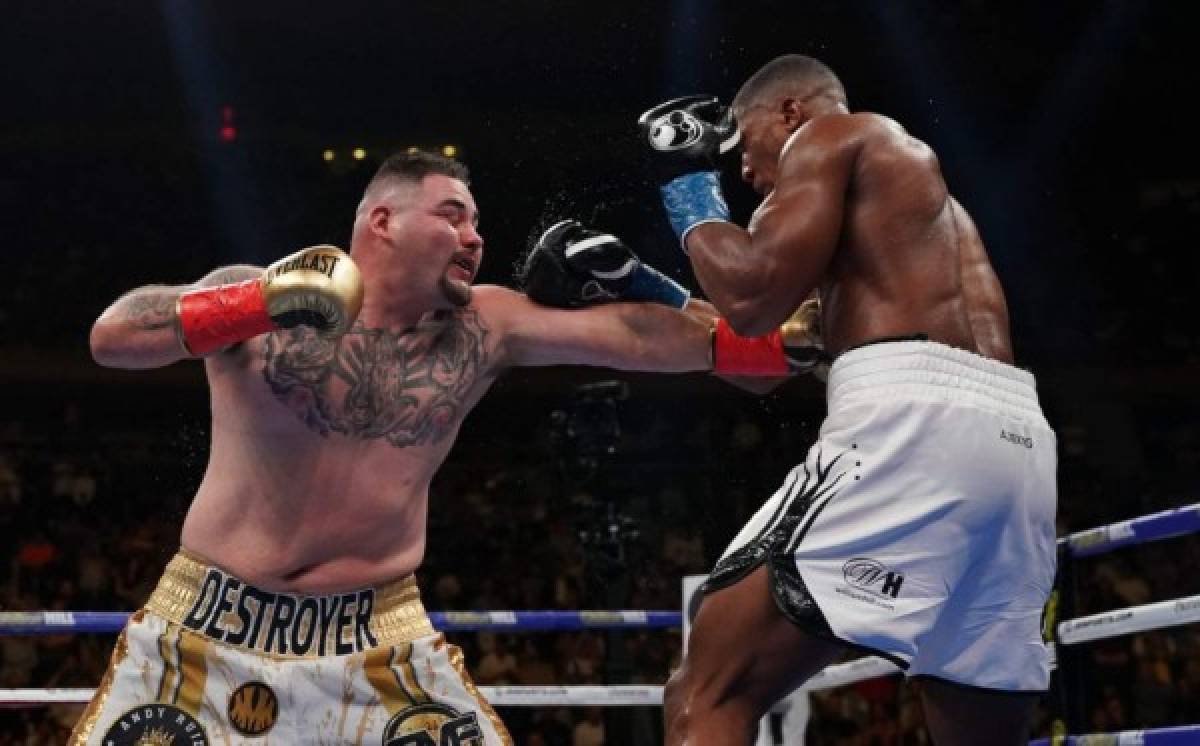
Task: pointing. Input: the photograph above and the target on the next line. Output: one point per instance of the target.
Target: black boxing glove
(688, 134)
(571, 266)
(686, 137)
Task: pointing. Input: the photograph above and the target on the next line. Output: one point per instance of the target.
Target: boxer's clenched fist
(792, 349)
(688, 134)
(570, 266)
(319, 287)
(686, 137)
(802, 343)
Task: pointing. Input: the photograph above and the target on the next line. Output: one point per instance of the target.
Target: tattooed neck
(409, 388)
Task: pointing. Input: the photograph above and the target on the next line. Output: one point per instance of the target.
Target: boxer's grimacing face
(763, 134)
(441, 227)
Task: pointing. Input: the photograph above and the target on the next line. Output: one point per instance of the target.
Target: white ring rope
(530, 696)
(1127, 621)
(502, 696)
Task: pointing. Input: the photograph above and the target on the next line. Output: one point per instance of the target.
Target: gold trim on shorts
(455, 654)
(87, 722)
(225, 609)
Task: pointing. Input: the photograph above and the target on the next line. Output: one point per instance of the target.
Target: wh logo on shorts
(873, 576)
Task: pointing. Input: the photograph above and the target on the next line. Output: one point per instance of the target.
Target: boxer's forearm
(732, 277)
(140, 329)
(666, 340)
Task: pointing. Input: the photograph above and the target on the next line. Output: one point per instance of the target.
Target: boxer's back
(901, 265)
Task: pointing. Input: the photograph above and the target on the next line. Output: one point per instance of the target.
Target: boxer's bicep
(796, 230)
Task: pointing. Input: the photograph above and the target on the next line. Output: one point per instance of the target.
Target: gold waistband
(222, 607)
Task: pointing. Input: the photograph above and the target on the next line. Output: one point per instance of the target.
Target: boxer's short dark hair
(791, 73)
(415, 166)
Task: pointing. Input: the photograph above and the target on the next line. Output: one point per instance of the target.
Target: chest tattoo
(408, 388)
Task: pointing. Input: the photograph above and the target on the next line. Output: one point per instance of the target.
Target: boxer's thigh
(742, 648)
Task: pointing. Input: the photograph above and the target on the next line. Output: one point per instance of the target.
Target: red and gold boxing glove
(792, 349)
(319, 287)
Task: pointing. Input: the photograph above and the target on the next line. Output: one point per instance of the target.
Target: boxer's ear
(790, 111)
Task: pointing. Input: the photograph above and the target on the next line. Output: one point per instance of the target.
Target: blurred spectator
(590, 730)
(495, 665)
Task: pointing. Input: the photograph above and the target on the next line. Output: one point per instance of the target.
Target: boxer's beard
(456, 291)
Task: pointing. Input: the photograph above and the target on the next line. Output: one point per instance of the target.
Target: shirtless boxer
(921, 525)
(291, 611)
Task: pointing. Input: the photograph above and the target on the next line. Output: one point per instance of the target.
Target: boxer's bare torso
(857, 210)
(323, 450)
(909, 260)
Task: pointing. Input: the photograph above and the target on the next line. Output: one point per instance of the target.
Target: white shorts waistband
(922, 367)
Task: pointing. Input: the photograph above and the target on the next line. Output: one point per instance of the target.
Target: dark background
(1063, 128)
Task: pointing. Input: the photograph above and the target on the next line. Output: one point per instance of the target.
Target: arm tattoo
(153, 307)
(150, 310)
(227, 275)
(408, 388)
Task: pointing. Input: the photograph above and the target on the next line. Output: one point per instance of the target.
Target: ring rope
(528, 696)
(502, 696)
(1171, 613)
(1183, 735)
(1154, 527)
(1127, 621)
(57, 622)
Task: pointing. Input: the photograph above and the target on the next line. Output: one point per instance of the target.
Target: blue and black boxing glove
(570, 266)
(687, 136)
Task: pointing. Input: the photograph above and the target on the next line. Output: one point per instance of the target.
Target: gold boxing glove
(794, 348)
(802, 343)
(319, 287)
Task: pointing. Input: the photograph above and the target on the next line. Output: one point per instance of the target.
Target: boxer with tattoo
(338, 383)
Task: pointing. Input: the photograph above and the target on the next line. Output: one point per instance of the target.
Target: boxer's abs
(291, 515)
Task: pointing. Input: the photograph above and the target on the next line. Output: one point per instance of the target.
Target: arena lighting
(228, 129)
(359, 154)
(449, 150)
(328, 155)
(206, 80)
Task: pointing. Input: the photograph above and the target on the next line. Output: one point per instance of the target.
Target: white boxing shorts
(921, 525)
(211, 659)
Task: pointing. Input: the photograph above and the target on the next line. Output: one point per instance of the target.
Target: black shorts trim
(792, 598)
(801, 609)
(918, 337)
(868, 650)
(982, 689)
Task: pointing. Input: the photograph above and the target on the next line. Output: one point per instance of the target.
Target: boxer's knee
(674, 709)
(698, 710)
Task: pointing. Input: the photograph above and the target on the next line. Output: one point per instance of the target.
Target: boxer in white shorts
(921, 525)
(926, 503)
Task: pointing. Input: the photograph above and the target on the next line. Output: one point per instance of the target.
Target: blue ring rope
(1184, 735)
(41, 622)
(1147, 528)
